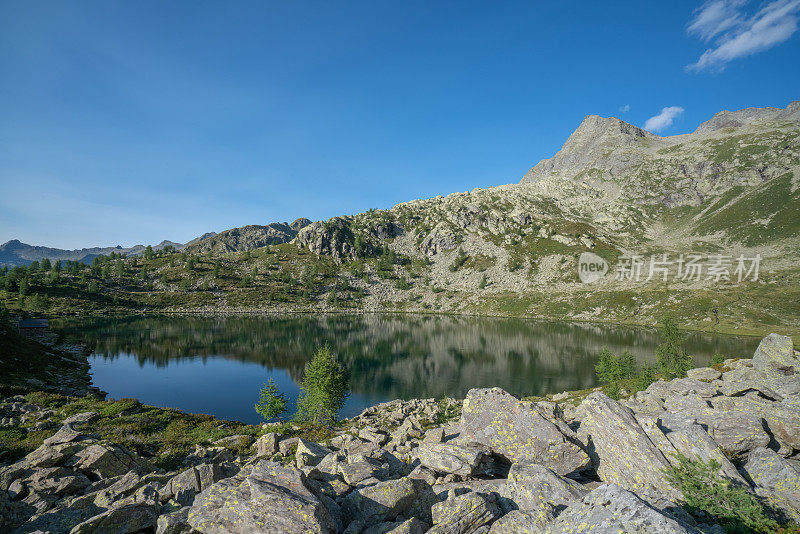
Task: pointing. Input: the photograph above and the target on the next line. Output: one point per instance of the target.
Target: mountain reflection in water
(217, 364)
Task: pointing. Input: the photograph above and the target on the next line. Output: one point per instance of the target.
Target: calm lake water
(217, 365)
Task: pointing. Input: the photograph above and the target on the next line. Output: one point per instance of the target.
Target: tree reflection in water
(391, 356)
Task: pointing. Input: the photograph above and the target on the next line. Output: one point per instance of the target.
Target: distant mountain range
(15, 253)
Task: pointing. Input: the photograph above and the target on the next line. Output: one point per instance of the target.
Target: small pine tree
(215, 272)
(323, 389)
(483, 282)
(271, 402)
(707, 493)
(672, 359)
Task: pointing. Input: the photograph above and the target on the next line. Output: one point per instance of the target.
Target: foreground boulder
(263, 498)
(379, 503)
(611, 509)
(621, 450)
(463, 514)
(517, 431)
(535, 488)
(453, 459)
(776, 479)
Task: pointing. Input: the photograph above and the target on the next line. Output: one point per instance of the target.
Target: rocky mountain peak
(595, 139)
(737, 119)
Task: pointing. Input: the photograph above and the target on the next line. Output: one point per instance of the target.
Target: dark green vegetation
(709, 495)
(271, 402)
(323, 389)
(621, 375)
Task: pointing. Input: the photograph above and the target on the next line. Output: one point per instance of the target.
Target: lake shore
(167, 465)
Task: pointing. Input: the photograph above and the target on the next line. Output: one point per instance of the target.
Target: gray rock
(524, 521)
(705, 374)
(379, 503)
(463, 514)
(775, 353)
(434, 435)
(58, 481)
(373, 435)
(515, 430)
(533, 487)
(81, 418)
(621, 450)
(454, 459)
(309, 453)
(286, 445)
(611, 509)
(776, 479)
(65, 434)
(695, 443)
(123, 520)
(174, 523)
(106, 461)
(356, 472)
(267, 445)
(265, 497)
(410, 526)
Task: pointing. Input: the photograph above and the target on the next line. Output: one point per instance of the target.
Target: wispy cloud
(735, 34)
(624, 109)
(663, 120)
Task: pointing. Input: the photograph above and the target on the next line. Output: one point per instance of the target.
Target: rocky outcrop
(518, 431)
(396, 468)
(621, 451)
(611, 509)
(245, 238)
(263, 498)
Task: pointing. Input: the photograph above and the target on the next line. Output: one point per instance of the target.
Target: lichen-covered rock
(309, 453)
(58, 481)
(174, 523)
(122, 520)
(453, 459)
(267, 445)
(610, 509)
(536, 488)
(106, 461)
(776, 353)
(524, 521)
(515, 430)
(463, 514)
(776, 479)
(621, 451)
(265, 497)
(358, 471)
(379, 503)
(704, 374)
(695, 443)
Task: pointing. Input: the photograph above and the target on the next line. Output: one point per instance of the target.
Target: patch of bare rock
(505, 466)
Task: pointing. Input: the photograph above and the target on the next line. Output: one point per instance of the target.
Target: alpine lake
(217, 365)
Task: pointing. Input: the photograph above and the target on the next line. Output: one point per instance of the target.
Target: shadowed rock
(515, 430)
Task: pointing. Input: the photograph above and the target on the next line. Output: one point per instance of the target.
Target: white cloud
(736, 35)
(624, 109)
(663, 120)
(715, 17)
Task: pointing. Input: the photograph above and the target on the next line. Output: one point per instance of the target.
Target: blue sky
(133, 122)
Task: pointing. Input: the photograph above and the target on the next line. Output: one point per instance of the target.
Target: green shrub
(673, 362)
(460, 259)
(707, 493)
(482, 284)
(612, 368)
(323, 389)
(271, 402)
(402, 283)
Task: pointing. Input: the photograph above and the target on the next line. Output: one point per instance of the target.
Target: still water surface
(217, 365)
